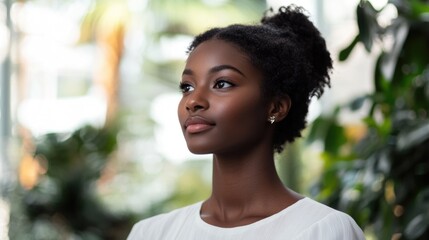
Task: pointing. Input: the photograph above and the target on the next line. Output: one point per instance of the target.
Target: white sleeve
(335, 226)
(134, 234)
(150, 229)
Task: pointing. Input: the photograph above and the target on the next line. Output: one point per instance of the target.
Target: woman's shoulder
(161, 223)
(329, 222)
(315, 208)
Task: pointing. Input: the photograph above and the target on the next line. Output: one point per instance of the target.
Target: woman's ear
(279, 108)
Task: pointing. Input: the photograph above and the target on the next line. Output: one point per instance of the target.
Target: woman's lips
(197, 124)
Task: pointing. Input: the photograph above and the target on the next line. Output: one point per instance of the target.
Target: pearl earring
(272, 119)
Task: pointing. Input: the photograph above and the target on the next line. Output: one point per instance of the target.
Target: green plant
(64, 201)
(381, 180)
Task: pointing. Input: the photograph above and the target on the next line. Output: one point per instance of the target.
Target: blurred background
(90, 141)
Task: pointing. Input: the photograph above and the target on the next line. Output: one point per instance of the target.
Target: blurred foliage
(169, 20)
(195, 16)
(380, 179)
(64, 201)
(191, 186)
(103, 14)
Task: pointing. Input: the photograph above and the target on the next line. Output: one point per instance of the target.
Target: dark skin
(224, 113)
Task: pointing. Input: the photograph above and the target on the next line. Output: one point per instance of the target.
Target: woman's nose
(197, 100)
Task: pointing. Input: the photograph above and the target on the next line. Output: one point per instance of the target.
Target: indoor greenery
(64, 204)
(381, 180)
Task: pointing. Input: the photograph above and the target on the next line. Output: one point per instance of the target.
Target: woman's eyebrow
(187, 71)
(223, 67)
(215, 69)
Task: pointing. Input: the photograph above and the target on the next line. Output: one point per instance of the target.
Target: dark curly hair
(292, 55)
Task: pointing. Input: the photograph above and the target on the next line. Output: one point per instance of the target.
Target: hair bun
(292, 22)
(292, 18)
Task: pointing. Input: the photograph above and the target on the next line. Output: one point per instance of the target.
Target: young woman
(246, 91)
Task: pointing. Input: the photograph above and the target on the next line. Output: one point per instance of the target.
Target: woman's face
(221, 110)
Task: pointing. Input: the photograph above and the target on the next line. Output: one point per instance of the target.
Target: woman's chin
(200, 150)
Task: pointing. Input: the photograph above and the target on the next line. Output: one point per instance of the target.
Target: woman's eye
(223, 84)
(185, 87)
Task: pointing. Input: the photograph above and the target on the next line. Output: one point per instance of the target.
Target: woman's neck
(238, 181)
(246, 188)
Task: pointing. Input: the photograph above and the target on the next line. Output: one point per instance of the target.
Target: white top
(304, 220)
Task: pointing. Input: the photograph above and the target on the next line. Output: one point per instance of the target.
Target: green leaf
(385, 127)
(379, 80)
(357, 103)
(335, 138)
(317, 129)
(320, 126)
(370, 122)
(417, 226)
(367, 23)
(422, 198)
(419, 8)
(388, 61)
(408, 139)
(344, 54)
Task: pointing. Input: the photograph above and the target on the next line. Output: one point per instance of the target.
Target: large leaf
(417, 226)
(410, 138)
(400, 32)
(413, 59)
(367, 23)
